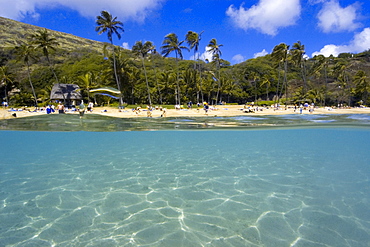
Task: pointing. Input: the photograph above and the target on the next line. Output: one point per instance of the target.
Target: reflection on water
(92, 122)
(271, 187)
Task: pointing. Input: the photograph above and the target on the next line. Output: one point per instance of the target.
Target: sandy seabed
(224, 110)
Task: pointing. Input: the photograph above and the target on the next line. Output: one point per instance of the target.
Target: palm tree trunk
(55, 75)
(6, 93)
(197, 64)
(286, 84)
(326, 82)
(304, 77)
(146, 80)
(218, 80)
(29, 78)
(52, 69)
(277, 98)
(177, 81)
(255, 91)
(116, 75)
(159, 90)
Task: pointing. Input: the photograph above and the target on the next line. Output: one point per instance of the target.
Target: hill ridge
(12, 31)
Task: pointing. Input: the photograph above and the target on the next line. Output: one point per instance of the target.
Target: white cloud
(123, 9)
(17, 9)
(206, 55)
(260, 54)
(125, 45)
(359, 43)
(268, 16)
(333, 18)
(238, 58)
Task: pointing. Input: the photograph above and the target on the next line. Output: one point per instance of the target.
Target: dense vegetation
(32, 64)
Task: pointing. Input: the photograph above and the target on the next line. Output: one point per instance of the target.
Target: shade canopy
(65, 92)
(106, 90)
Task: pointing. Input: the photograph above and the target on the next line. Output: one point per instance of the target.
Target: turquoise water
(264, 186)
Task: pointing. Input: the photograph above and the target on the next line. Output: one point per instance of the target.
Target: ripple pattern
(227, 188)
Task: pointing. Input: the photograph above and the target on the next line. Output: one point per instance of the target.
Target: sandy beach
(224, 110)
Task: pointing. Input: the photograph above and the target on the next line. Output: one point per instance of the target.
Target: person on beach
(81, 109)
(206, 107)
(49, 110)
(90, 106)
(60, 108)
(164, 112)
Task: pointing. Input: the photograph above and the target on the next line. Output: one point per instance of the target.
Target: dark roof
(70, 92)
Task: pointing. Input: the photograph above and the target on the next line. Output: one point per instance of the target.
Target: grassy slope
(12, 31)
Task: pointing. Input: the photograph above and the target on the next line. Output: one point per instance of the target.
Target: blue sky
(246, 29)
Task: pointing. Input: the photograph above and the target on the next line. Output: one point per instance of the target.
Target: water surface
(94, 122)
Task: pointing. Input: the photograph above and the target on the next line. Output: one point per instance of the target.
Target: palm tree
(297, 53)
(280, 54)
(255, 77)
(142, 50)
(44, 42)
(266, 81)
(362, 85)
(107, 24)
(171, 44)
(316, 94)
(25, 52)
(6, 77)
(321, 65)
(166, 81)
(44, 93)
(87, 82)
(214, 48)
(340, 72)
(193, 39)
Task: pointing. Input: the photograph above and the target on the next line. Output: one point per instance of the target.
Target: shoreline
(220, 111)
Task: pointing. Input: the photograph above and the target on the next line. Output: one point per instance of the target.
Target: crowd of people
(60, 108)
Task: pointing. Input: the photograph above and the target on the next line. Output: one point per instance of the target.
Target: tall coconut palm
(193, 40)
(110, 25)
(171, 44)
(25, 53)
(215, 50)
(297, 53)
(142, 50)
(43, 41)
(280, 54)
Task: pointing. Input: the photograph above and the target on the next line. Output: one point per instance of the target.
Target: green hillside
(12, 32)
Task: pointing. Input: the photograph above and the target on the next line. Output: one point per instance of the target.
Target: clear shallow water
(92, 122)
(269, 187)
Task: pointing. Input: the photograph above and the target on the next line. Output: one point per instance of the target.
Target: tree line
(144, 75)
